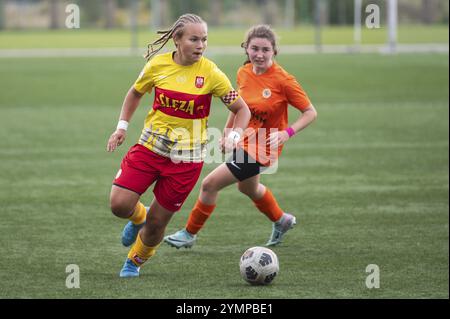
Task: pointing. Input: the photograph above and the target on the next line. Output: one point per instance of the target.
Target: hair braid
(175, 31)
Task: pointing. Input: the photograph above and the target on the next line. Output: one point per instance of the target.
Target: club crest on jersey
(266, 93)
(199, 82)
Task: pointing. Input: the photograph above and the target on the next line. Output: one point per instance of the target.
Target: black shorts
(242, 165)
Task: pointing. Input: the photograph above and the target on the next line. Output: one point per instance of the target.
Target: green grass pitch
(368, 183)
(305, 34)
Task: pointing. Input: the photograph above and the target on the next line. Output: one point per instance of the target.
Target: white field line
(225, 50)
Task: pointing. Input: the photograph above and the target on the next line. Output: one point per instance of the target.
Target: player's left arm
(307, 117)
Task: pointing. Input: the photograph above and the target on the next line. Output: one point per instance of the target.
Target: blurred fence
(42, 14)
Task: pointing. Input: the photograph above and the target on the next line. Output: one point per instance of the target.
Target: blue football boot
(130, 232)
(279, 229)
(129, 269)
(181, 238)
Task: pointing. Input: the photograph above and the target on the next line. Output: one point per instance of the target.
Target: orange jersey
(268, 96)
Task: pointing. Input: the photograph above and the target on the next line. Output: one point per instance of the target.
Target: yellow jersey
(176, 126)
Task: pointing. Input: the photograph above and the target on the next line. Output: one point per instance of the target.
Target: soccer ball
(259, 265)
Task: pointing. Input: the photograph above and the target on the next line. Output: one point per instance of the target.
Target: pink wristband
(290, 131)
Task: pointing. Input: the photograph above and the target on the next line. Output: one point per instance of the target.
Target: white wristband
(122, 125)
(235, 136)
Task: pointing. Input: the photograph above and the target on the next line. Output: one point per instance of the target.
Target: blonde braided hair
(175, 31)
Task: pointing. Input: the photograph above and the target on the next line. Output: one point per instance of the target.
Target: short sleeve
(295, 94)
(144, 82)
(222, 87)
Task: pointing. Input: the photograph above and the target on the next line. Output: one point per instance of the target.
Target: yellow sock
(139, 214)
(140, 253)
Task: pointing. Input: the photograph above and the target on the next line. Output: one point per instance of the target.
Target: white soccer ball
(259, 265)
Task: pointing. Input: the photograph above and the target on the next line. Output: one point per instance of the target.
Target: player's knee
(119, 208)
(208, 185)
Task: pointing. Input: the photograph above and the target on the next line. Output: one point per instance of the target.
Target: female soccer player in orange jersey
(268, 90)
(172, 145)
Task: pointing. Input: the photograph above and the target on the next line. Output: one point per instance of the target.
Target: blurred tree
(185, 6)
(110, 7)
(161, 14)
(342, 16)
(203, 8)
(339, 13)
(269, 11)
(318, 21)
(429, 8)
(90, 11)
(125, 3)
(289, 13)
(2, 16)
(323, 6)
(304, 11)
(165, 12)
(423, 11)
(56, 12)
(134, 12)
(199, 7)
(155, 14)
(443, 10)
(216, 12)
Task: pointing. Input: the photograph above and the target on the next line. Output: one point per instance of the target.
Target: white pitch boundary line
(224, 50)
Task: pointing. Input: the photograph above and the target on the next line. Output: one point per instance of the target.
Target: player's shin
(268, 206)
(200, 213)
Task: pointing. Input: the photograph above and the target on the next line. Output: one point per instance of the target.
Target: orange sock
(268, 206)
(199, 214)
(139, 214)
(140, 252)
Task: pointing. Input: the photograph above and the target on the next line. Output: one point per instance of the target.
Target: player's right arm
(129, 106)
(226, 130)
(143, 84)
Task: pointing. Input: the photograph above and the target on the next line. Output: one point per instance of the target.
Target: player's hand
(222, 144)
(278, 138)
(230, 139)
(116, 139)
(228, 145)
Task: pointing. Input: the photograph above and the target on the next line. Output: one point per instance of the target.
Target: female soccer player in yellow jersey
(268, 90)
(172, 145)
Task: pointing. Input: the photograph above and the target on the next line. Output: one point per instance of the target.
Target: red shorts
(141, 167)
